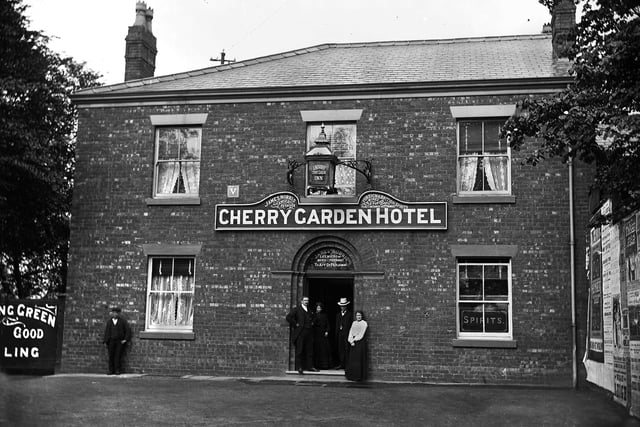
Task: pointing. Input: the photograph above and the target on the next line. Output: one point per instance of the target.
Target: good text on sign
(374, 210)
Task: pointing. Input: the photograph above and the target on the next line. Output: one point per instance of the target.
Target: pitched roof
(470, 59)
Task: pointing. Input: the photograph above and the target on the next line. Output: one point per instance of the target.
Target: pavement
(292, 400)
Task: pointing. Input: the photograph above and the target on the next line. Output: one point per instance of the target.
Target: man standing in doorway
(344, 319)
(301, 320)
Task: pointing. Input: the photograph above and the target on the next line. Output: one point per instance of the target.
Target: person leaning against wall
(117, 334)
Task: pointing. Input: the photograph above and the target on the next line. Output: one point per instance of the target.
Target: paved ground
(133, 400)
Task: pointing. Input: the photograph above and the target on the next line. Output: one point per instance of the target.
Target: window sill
(484, 343)
(484, 199)
(173, 202)
(160, 335)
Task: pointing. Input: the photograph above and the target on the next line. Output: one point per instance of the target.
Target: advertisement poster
(596, 338)
(28, 335)
(610, 304)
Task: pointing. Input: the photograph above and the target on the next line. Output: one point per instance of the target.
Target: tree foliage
(596, 118)
(37, 131)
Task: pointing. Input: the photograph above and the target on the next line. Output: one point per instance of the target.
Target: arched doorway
(325, 270)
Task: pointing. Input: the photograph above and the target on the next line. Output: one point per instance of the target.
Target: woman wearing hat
(343, 323)
(321, 345)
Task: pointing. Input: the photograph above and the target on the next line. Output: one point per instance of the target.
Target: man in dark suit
(344, 319)
(301, 320)
(116, 336)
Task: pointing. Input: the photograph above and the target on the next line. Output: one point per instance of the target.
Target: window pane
(470, 282)
(496, 317)
(470, 317)
(496, 173)
(185, 310)
(168, 175)
(468, 170)
(162, 309)
(183, 267)
(343, 141)
(162, 267)
(345, 181)
(492, 141)
(190, 143)
(496, 284)
(189, 178)
(470, 137)
(168, 144)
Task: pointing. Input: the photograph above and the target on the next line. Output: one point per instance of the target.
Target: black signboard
(28, 335)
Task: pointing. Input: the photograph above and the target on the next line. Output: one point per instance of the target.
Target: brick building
(195, 209)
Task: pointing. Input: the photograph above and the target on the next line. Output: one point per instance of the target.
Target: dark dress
(356, 368)
(321, 346)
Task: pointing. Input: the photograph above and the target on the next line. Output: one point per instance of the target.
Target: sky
(191, 32)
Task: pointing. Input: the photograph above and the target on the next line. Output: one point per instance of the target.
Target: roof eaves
(520, 85)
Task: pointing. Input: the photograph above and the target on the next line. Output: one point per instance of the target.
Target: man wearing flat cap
(116, 336)
(344, 319)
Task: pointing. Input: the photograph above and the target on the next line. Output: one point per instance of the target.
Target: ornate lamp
(321, 166)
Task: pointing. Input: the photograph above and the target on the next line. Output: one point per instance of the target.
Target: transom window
(342, 137)
(484, 298)
(177, 162)
(170, 294)
(484, 160)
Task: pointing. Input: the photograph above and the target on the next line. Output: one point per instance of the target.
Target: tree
(596, 119)
(37, 142)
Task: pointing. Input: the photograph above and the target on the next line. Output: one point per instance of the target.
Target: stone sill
(160, 335)
(484, 199)
(484, 343)
(173, 202)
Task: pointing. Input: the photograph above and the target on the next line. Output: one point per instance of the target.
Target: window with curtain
(170, 293)
(177, 164)
(343, 144)
(484, 298)
(484, 160)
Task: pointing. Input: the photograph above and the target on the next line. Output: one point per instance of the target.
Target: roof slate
(471, 59)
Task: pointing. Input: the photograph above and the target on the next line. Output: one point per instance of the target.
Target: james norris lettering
(332, 217)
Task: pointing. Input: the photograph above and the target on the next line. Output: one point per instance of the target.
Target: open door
(329, 290)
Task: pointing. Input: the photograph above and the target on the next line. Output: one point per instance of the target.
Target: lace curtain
(171, 300)
(178, 167)
(495, 170)
(468, 169)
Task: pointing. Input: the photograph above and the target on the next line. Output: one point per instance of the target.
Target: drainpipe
(572, 250)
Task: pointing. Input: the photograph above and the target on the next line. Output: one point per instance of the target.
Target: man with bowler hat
(116, 336)
(344, 319)
(301, 320)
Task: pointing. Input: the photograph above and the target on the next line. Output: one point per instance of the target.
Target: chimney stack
(140, 54)
(563, 22)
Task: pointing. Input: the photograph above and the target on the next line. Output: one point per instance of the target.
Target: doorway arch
(324, 269)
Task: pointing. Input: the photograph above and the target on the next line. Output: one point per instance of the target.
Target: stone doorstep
(324, 373)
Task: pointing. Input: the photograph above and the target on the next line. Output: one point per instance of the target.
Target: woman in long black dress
(356, 369)
(321, 346)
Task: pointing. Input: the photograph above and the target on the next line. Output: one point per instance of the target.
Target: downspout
(572, 250)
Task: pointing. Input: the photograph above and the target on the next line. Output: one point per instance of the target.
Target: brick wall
(240, 305)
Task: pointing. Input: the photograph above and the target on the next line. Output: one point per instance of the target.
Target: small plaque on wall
(330, 259)
(233, 191)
